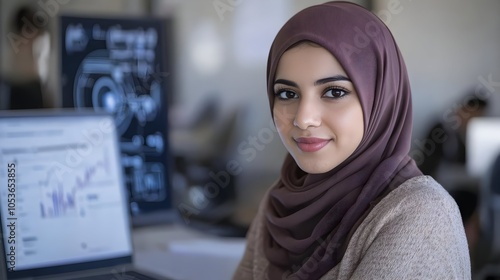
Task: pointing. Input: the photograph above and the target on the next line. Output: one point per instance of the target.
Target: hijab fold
(310, 217)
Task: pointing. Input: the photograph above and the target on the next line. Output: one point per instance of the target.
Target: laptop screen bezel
(73, 267)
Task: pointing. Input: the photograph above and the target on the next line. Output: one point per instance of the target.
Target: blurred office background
(220, 47)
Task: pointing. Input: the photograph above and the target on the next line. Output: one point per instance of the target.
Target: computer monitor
(122, 66)
(483, 145)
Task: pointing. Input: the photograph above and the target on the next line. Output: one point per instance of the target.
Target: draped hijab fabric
(309, 217)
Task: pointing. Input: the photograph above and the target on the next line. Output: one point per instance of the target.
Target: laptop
(63, 203)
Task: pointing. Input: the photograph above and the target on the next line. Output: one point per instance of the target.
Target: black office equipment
(122, 66)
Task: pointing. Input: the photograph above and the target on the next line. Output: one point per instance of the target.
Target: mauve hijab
(310, 217)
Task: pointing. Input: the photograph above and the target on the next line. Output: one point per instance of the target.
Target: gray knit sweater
(415, 232)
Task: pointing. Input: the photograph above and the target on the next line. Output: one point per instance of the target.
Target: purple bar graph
(57, 201)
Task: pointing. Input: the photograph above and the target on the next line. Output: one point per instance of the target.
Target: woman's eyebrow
(286, 82)
(317, 83)
(331, 79)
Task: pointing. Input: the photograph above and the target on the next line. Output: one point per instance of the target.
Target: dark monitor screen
(121, 66)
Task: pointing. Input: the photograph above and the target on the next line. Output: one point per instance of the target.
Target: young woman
(350, 202)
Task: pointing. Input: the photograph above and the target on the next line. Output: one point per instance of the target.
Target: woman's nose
(308, 114)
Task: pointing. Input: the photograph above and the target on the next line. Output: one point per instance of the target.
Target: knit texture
(415, 232)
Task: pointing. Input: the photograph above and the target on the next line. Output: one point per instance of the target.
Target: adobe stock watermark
(223, 6)
(149, 82)
(394, 7)
(221, 179)
(425, 148)
(121, 274)
(371, 30)
(76, 154)
(362, 36)
(31, 26)
(310, 265)
(248, 149)
(483, 91)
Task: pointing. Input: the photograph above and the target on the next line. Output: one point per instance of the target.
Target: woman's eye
(286, 94)
(336, 93)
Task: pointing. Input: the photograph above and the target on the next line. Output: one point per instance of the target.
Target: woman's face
(316, 109)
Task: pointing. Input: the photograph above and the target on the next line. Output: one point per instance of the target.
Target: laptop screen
(63, 197)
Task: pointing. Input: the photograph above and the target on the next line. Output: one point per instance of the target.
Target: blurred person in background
(28, 66)
(445, 150)
(445, 145)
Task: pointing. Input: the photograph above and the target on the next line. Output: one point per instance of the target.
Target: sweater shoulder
(418, 227)
(418, 191)
(418, 200)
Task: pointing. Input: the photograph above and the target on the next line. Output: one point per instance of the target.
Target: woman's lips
(311, 144)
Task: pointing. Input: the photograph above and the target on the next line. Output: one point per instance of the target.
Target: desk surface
(179, 252)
